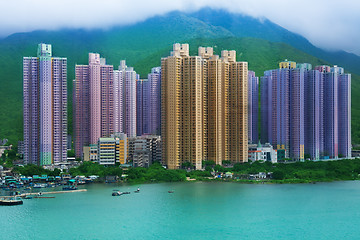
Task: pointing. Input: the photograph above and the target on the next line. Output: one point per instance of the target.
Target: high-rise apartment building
(204, 107)
(45, 107)
(142, 107)
(125, 105)
(314, 110)
(344, 115)
(154, 79)
(148, 103)
(283, 109)
(301, 110)
(93, 102)
(253, 109)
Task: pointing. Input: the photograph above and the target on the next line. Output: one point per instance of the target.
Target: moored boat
(118, 193)
(10, 202)
(71, 187)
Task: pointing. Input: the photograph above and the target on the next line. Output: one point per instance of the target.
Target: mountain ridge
(142, 45)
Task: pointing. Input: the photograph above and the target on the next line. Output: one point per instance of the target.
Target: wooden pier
(44, 193)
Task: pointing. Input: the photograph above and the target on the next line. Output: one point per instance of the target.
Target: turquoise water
(194, 211)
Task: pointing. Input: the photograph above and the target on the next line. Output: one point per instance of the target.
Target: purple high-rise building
(314, 111)
(93, 102)
(297, 135)
(45, 107)
(344, 112)
(81, 109)
(148, 107)
(118, 101)
(311, 108)
(264, 89)
(331, 130)
(142, 107)
(125, 103)
(253, 107)
(155, 101)
(336, 119)
(283, 109)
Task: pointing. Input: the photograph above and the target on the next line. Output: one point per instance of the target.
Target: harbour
(195, 210)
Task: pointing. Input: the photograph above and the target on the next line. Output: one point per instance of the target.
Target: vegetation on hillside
(308, 171)
(142, 46)
(31, 169)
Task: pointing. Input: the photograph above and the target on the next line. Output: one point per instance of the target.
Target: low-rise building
(106, 151)
(90, 153)
(144, 150)
(265, 152)
(121, 147)
(21, 148)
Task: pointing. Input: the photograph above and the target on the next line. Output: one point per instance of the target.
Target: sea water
(195, 210)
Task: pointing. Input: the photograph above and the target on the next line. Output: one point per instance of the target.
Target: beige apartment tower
(204, 107)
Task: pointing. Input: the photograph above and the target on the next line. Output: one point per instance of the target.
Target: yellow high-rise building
(204, 107)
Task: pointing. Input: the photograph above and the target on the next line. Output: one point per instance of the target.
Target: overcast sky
(328, 24)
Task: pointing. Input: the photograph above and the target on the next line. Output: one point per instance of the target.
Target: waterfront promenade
(44, 193)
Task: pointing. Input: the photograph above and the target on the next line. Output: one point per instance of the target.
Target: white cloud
(328, 24)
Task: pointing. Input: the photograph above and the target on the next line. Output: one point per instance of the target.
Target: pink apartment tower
(45, 107)
(93, 102)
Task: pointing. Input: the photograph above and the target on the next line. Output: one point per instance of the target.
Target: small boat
(26, 197)
(81, 182)
(137, 191)
(10, 202)
(70, 187)
(170, 191)
(126, 192)
(44, 197)
(116, 193)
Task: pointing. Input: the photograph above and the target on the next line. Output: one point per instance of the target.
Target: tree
(71, 153)
(209, 163)
(186, 165)
(278, 175)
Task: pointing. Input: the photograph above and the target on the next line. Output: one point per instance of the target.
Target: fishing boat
(10, 202)
(118, 193)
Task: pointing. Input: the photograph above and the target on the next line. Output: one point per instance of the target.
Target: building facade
(253, 109)
(301, 110)
(265, 152)
(129, 78)
(144, 150)
(142, 107)
(45, 107)
(154, 79)
(93, 101)
(282, 106)
(112, 150)
(204, 107)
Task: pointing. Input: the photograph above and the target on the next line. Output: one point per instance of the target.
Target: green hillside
(142, 45)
